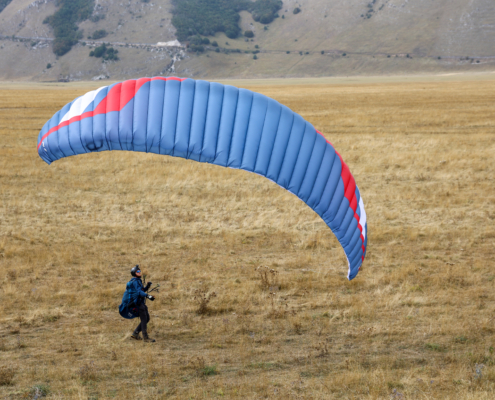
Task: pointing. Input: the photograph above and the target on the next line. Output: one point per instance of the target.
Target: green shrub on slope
(64, 23)
(107, 53)
(207, 17)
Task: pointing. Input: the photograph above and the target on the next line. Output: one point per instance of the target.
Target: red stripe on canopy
(115, 100)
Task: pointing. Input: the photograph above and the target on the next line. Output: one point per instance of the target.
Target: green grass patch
(209, 370)
(264, 365)
(461, 339)
(434, 347)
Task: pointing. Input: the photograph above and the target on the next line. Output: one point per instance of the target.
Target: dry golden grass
(417, 322)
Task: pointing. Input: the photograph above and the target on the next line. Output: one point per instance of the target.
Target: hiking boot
(136, 336)
(148, 339)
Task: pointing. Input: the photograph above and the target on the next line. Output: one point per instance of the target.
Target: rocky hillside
(327, 37)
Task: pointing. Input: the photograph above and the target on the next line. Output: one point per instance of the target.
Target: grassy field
(417, 323)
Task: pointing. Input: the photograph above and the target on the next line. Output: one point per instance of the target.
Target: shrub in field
(40, 390)
(279, 310)
(88, 372)
(321, 350)
(201, 368)
(297, 326)
(209, 370)
(7, 374)
(20, 344)
(12, 275)
(202, 298)
(268, 278)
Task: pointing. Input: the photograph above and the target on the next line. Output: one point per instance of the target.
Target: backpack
(128, 308)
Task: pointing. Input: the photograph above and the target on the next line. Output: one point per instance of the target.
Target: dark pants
(144, 316)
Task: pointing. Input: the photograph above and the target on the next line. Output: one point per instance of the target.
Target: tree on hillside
(64, 23)
(100, 33)
(207, 17)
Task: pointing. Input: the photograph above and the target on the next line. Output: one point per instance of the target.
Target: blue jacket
(136, 291)
(133, 297)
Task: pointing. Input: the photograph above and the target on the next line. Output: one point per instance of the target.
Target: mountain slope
(377, 37)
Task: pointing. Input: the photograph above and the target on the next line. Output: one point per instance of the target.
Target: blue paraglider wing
(218, 124)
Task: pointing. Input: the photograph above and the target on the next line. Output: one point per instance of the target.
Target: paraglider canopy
(218, 124)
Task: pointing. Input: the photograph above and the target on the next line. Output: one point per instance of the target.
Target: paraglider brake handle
(157, 288)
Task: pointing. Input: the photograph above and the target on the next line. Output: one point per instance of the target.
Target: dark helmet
(135, 269)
